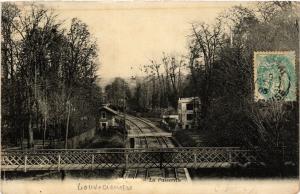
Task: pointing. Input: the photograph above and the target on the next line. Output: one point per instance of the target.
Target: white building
(188, 109)
(106, 118)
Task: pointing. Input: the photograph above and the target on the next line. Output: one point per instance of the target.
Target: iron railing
(111, 158)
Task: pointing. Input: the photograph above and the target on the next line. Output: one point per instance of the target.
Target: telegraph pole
(124, 108)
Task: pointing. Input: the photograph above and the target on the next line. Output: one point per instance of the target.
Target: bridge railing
(75, 159)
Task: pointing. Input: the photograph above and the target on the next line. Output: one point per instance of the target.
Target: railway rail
(139, 127)
(142, 126)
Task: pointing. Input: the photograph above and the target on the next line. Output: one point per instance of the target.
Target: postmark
(275, 76)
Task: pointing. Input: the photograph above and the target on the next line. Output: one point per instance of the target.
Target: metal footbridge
(126, 158)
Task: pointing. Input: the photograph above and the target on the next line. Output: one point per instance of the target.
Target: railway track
(156, 173)
(141, 126)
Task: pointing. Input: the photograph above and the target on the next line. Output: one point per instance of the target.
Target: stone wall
(76, 141)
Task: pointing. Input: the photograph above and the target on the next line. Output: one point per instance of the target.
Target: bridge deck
(113, 166)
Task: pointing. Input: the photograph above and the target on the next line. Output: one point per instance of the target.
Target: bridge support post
(230, 157)
(93, 160)
(126, 159)
(63, 175)
(195, 160)
(25, 163)
(58, 165)
(161, 160)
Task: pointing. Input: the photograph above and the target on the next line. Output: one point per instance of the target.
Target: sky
(130, 34)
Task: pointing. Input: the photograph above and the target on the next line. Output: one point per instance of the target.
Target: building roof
(189, 99)
(109, 110)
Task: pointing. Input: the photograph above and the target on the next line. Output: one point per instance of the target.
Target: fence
(75, 159)
(73, 142)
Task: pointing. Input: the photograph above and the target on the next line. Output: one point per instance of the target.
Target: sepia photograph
(150, 97)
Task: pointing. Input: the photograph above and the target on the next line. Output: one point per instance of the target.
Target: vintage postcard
(150, 97)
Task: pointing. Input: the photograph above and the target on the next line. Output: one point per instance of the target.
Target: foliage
(220, 72)
(162, 85)
(233, 118)
(118, 93)
(48, 74)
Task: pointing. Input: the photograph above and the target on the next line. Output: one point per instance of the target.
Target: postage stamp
(275, 76)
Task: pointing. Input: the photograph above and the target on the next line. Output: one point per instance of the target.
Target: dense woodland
(48, 76)
(219, 69)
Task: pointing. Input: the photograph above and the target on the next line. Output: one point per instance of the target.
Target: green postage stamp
(275, 76)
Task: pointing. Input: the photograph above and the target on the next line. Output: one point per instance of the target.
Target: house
(188, 110)
(107, 118)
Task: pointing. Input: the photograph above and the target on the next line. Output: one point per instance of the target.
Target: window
(189, 106)
(189, 117)
(103, 115)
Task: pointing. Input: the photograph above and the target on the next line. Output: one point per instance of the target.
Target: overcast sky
(129, 34)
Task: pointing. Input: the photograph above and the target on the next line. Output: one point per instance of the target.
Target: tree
(9, 52)
(44, 66)
(118, 92)
(205, 43)
(163, 82)
(39, 35)
(233, 117)
(80, 64)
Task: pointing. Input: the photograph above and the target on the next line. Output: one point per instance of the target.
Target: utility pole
(124, 110)
(231, 37)
(45, 119)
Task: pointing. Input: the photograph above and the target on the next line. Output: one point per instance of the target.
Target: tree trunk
(45, 128)
(67, 127)
(30, 133)
(30, 129)
(22, 137)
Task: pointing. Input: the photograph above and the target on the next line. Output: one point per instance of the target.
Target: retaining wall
(76, 141)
